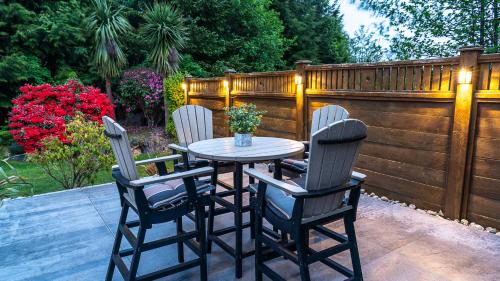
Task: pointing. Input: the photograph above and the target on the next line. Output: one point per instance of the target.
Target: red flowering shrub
(44, 110)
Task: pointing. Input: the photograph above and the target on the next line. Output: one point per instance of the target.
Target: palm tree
(165, 31)
(107, 24)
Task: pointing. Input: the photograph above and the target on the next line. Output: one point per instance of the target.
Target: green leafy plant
(107, 24)
(75, 163)
(244, 119)
(174, 95)
(165, 32)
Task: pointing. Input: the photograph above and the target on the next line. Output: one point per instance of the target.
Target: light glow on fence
(298, 79)
(465, 76)
(184, 86)
(226, 84)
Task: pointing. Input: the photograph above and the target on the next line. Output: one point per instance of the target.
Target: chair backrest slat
(326, 115)
(331, 165)
(192, 123)
(122, 151)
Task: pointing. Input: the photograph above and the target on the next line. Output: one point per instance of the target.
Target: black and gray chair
(321, 118)
(194, 123)
(311, 202)
(155, 199)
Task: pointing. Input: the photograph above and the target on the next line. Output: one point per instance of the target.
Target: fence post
(300, 80)
(228, 87)
(461, 130)
(187, 81)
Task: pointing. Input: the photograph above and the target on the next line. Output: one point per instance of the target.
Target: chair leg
(117, 243)
(134, 264)
(180, 245)
(351, 236)
(302, 245)
(211, 207)
(211, 217)
(258, 247)
(203, 243)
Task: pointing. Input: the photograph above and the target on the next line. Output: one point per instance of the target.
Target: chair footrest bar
(194, 246)
(229, 229)
(170, 270)
(330, 233)
(335, 265)
(319, 255)
(121, 266)
(224, 203)
(224, 246)
(282, 250)
(128, 234)
(134, 223)
(270, 273)
(169, 240)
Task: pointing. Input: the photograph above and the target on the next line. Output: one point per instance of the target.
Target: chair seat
(280, 202)
(171, 192)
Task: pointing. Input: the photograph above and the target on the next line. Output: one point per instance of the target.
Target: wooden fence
(432, 141)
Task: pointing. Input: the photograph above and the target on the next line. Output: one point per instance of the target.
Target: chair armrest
(288, 188)
(358, 176)
(174, 176)
(154, 160)
(177, 147)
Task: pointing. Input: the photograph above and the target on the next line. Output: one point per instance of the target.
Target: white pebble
(404, 204)
(491, 229)
(384, 198)
(413, 206)
(441, 213)
(430, 212)
(476, 226)
(464, 222)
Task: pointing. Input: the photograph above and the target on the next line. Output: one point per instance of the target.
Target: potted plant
(243, 122)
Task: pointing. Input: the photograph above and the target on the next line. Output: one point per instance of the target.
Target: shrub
(43, 111)
(142, 89)
(174, 95)
(75, 161)
(244, 119)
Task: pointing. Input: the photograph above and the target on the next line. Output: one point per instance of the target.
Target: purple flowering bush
(142, 89)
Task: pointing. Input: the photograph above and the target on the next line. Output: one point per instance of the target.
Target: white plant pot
(242, 139)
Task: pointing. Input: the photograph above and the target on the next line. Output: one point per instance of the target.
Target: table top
(262, 148)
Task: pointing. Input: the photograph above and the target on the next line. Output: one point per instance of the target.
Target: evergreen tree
(245, 35)
(363, 46)
(316, 30)
(430, 28)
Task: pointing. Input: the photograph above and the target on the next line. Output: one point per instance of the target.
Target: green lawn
(42, 183)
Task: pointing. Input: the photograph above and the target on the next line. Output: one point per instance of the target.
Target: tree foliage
(315, 30)
(429, 28)
(245, 35)
(363, 46)
(76, 162)
(165, 32)
(174, 95)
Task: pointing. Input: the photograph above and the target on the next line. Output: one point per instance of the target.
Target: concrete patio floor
(68, 236)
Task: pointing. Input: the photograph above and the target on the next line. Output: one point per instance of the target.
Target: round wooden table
(223, 149)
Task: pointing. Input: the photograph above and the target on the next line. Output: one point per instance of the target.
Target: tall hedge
(174, 95)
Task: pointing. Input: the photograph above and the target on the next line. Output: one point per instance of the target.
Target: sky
(354, 17)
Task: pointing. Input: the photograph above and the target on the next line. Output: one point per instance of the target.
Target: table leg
(238, 218)
(278, 174)
(252, 212)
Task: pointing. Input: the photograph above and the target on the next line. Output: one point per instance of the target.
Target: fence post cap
(471, 49)
(187, 76)
(230, 70)
(303, 62)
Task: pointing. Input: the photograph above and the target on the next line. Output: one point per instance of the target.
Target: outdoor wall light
(298, 79)
(465, 76)
(226, 84)
(184, 86)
